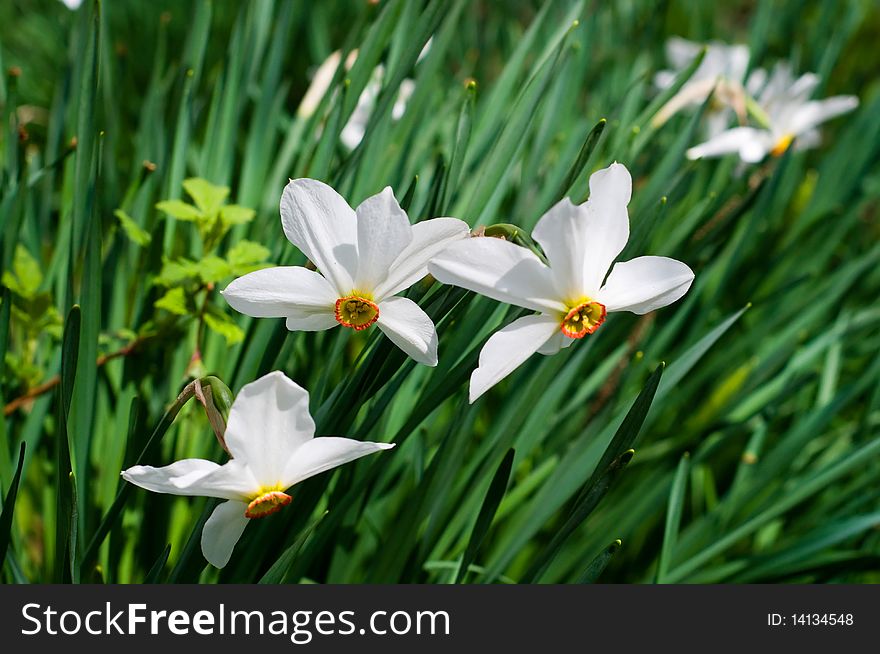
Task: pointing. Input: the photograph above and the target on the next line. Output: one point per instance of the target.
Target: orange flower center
(782, 145)
(267, 504)
(583, 319)
(356, 312)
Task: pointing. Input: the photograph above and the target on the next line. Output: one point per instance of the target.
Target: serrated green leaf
(177, 271)
(223, 325)
(25, 278)
(132, 229)
(174, 301)
(245, 253)
(180, 210)
(207, 196)
(213, 269)
(233, 214)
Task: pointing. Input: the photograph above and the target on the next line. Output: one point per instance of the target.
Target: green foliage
(759, 460)
(190, 283)
(212, 217)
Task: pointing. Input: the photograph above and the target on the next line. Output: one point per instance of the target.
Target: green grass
(758, 459)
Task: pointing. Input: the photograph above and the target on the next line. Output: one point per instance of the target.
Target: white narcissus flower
(365, 257)
(722, 70)
(580, 242)
(789, 115)
(355, 128)
(270, 435)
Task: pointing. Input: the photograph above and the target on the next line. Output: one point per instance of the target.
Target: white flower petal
(320, 85)
(565, 235)
(314, 322)
(268, 420)
(195, 477)
(754, 150)
(508, 348)
(409, 328)
(407, 87)
(322, 454)
(222, 531)
(681, 52)
(281, 292)
(644, 284)
(802, 89)
(732, 141)
(558, 341)
(430, 237)
(320, 223)
(500, 270)
(607, 227)
(814, 113)
(383, 233)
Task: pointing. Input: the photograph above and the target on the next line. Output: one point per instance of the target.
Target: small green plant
(190, 283)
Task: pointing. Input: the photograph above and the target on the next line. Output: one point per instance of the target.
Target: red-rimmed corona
(583, 319)
(356, 311)
(267, 504)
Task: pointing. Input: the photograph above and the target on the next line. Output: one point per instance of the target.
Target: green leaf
(132, 229)
(177, 271)
(233, 214)
(213, 269)
(208, 197)
(247, 256)
(122, 496)
(158, 567)
(9, 506)
(64, 500)
(493, 498)
(179, 209)
(615, 458)
(279, 571)
(26, 277)
(597, 565)
(673, 517)
(222, 324)
(174, 301)
(579, 167)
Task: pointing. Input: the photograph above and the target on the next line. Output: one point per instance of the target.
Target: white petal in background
(222, 531)
(322, 454)
(733, 141)
(644, 284)
(281, 292)
(383, 233)
(430, 237)
(816, 112)
(318, 221)
(409, 328)
(500, 270)
(268, 420)
(508, 348)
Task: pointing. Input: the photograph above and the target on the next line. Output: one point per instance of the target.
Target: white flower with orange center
(580, 243)
(365, 257)
(787, 113)
(270, 435)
